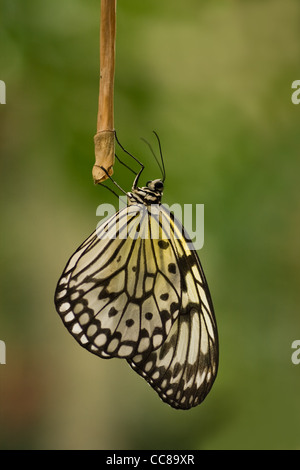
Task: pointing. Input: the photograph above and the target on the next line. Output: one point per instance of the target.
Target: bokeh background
(214, 79)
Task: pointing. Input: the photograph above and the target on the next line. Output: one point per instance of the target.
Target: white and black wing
(135, 290)
(114, 295)
(183, 369)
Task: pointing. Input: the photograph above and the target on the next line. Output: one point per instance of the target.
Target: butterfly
(135, 289)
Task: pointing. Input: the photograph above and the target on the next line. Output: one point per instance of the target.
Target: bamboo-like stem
(105, 136)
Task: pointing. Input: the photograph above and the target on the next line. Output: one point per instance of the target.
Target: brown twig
(105, 136)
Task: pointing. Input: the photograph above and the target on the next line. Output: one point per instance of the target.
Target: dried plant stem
(105, 137)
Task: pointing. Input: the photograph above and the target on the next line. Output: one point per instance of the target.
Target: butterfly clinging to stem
(135, 289)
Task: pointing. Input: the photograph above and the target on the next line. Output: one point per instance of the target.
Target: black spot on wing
(164, 296)
(163, 244)
(112, 312)
(172, 268)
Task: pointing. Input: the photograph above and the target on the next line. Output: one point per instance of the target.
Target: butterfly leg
(115, 183)
(132, 156)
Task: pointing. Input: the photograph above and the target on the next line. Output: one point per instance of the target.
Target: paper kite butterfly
(136, 290)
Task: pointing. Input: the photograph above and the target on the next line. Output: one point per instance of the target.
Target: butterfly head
(156, 186)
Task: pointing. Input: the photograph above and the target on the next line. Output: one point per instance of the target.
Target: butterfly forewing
(114, 295)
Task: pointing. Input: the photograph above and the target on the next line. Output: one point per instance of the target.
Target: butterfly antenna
(161, 156)
(156, 159)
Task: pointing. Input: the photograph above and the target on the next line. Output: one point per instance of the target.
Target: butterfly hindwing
(182, 370)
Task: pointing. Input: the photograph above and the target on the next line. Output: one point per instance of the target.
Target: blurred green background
(214, 79)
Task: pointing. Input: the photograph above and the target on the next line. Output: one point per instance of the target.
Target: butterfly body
(135, 290)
